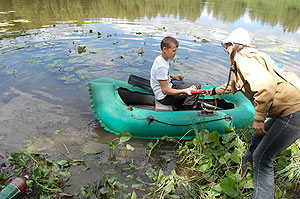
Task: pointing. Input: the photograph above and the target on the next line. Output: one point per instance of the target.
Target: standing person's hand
(177, 77)
(210, 92)
(258, 127)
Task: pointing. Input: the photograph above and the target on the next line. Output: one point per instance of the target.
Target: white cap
(238, 36)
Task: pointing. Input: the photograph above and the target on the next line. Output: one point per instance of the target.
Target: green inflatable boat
(131, 107)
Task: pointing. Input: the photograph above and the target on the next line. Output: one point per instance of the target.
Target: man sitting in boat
(167, 92)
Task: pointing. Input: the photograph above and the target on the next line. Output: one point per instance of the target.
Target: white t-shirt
(159, 71)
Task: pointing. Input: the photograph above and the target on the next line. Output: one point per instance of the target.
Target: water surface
(50, 49)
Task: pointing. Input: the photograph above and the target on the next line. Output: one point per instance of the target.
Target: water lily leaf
(82, 71)
(65, 77)
(72, 81)
(124, 46)
(69, 68)
(5, 24)
(40, 144)
(12, 71)
(205, 41)
(66, 22)
(84, 76)
(111, 171)
(21, 21)
(130, 70)
(81, 49)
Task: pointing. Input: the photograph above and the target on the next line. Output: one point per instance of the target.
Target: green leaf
(249, 184)
(228, 186)
(111, 145)
(205, 166)
(227, 137)
(170, 186)
(129, 147)
(213, 137)
(294, 149)
(65, 174)
(63, 163)
(18, 170)
(224, 159)
(217, 188)
(231, 175)
(236, 156)
(111, 171)
(29, 183)
(87, 166)
(133, 195)
(124, 137)
(134, 186)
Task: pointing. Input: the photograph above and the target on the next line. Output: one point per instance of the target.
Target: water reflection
(17, 14)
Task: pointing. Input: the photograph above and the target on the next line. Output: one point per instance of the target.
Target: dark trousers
(281, 133)
(181, 101)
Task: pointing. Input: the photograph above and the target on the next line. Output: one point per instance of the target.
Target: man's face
(170, 52)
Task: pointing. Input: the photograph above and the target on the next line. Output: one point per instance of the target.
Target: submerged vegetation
(207, 166)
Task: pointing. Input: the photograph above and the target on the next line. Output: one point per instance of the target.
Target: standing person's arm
(263, 86)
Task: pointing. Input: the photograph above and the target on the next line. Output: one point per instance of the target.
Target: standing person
(275, 93)
(166, 91)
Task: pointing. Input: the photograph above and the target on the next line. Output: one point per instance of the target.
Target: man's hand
(258, 127)
(188, 91)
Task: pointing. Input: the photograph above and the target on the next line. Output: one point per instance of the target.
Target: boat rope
(208, 105)
(151, 119)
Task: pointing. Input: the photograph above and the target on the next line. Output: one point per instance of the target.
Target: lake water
(44, 104)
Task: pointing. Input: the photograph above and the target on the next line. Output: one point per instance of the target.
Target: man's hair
(167, 41)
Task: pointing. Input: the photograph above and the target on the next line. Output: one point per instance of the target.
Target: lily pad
(66, 22)
(84, 76)
(12, 71)
(82, 71)
(127, 69)
(71, 68)
(65, 77)
(81, 49)
(72, 81)
(124, 46)
(39, 144)
(21, 21)
(5, 24)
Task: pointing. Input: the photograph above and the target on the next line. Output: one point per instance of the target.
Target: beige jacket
(257, 77)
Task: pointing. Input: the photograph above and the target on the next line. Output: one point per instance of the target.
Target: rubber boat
(131, 107)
